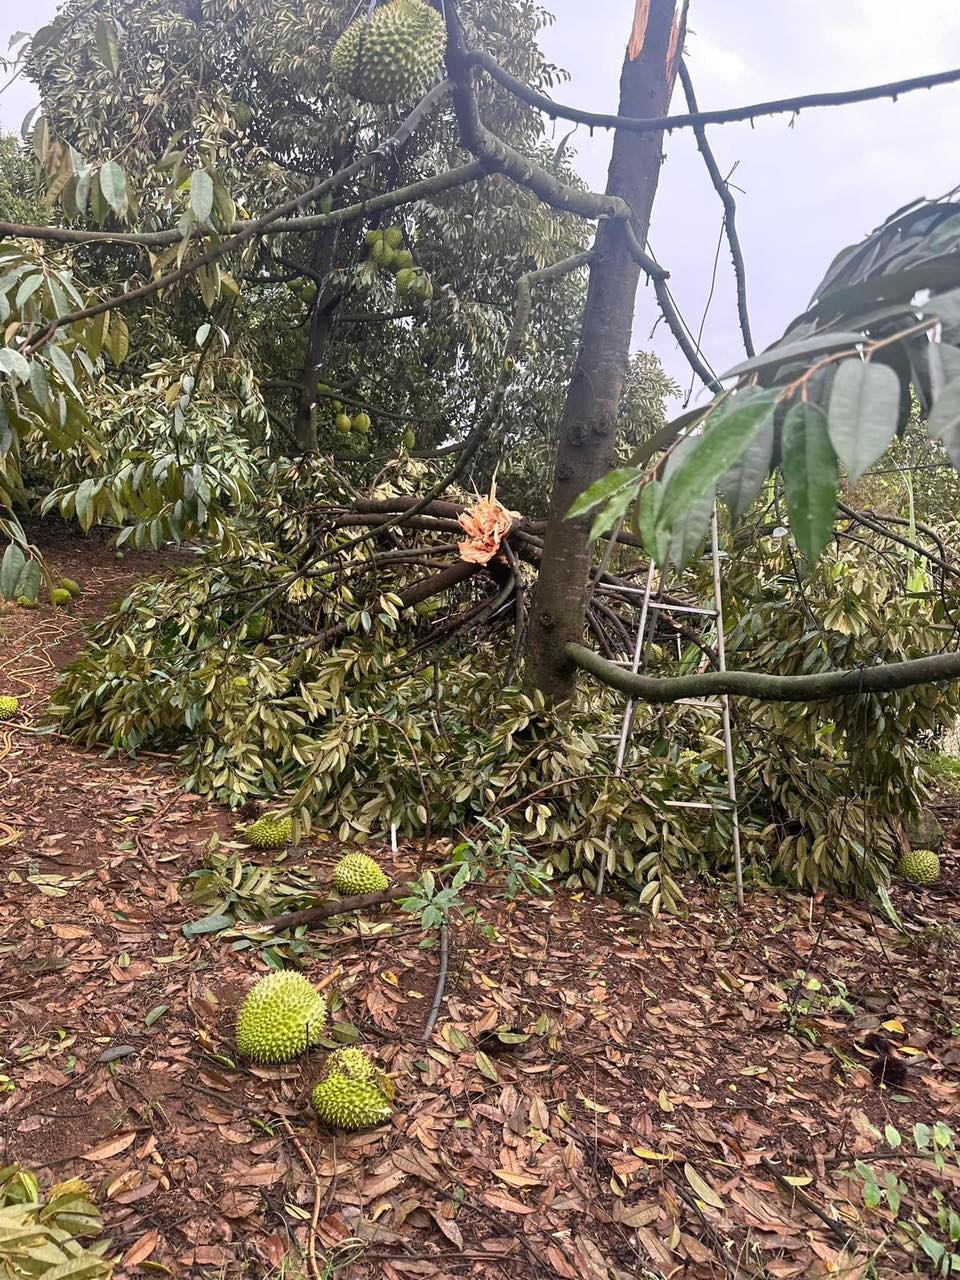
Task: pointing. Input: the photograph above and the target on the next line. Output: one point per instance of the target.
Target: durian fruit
(8, 706)
(403, 260)
(406, 279)
(342, 422)
(257, 626)
(281, 1017)
(350, 1062)
(356, 873)
(360, 422)
(26, 603)
(269, 832)
(919, 866)
(393, 237)
(60, 596)
(394, 55)
(345, 1103)
(409, 438)
(424, 288)
(68, 584)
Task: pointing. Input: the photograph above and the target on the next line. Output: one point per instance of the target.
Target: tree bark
(588, 433)
(324, 253)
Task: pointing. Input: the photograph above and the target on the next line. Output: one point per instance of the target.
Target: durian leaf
(209, 924)
(10, 569)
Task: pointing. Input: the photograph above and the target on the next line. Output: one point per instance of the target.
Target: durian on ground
(350, 1095)
(282, 1016)
(269, 832)
(356, 873)
(919, 866)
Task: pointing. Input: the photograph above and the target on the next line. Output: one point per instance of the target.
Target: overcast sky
(810, 185)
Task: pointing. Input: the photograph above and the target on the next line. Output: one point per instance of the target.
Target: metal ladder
(649, 611)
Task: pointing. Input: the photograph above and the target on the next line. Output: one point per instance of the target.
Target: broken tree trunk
(588, 435)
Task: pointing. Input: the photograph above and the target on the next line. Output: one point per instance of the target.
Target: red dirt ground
(626, 1137)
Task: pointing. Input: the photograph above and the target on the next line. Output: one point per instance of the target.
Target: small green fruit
(360, 422)
(9, 706)
(393, 237)
(402, 259)
(356, 873)
(919, 866)
(269, 832)
(240, 682)
(343, 422)
(409, 438)
(281, 1017)
(26, 603)
(350, 1062)
(424, 288)
(372, 237)
(68, 584)
(60, 596)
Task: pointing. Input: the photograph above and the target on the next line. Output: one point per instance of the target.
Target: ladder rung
(660, 606)
(686, 608)
(698, 702)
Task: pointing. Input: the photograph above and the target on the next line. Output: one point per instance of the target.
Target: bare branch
(819, 687)
(722, 188)
(731, 115)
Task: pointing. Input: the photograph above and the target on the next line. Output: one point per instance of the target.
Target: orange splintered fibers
(641, 17)
(486, 525)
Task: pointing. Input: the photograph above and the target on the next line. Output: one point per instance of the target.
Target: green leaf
(105, 36)
(28, 584)
(11, 566)
(209, 924)
(645, 521)
(113, 185)
(118, 339)
(201, 196)
(863, 413)
(944, 420)
(602, 490)
(741, 484)
(733, 425)
(782, 353)
(690, 526)
(809, 478)
(155, 1014)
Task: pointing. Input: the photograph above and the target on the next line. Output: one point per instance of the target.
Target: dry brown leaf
(141, 1249)
(517, 1179)
(500, 1200)
(107, 1150)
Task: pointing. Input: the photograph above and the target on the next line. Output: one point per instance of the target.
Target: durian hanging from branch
(392, 55)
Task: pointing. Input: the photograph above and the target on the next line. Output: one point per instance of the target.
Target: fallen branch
(817, 687)
(334, 907)
(836, 1230)
(441, 983)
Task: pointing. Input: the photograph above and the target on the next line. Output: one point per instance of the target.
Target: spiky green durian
(360, 422)
(257, 626)
(920, 866)
(406, 279)
(350, 1104)
(393, 55)
(393, 237)
(343, 423)
(269, 832)
(282, 1016)
(8, 706)
(60, 596)
(68, 584)
(26, 602)
(350, 1062)
(356, 873)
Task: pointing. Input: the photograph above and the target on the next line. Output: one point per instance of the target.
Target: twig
(313, 1268)
(441, 982)
(722, 188)
(842, 1237)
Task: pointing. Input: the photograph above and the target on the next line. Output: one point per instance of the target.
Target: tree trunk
(588, 434)
(322, 261)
